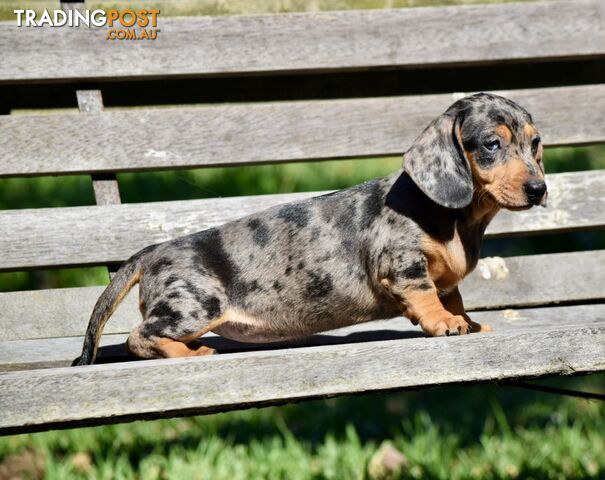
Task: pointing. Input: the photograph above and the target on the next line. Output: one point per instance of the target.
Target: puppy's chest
(450, 261)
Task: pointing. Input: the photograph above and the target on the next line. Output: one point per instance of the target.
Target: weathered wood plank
(60, 352)
(531, 280)
(89, 101)
(124, 223)
(105, 186)
(535, 280)
(271, 132)
(112, 233)
(62, 397)
(303, 42)
(106, 189)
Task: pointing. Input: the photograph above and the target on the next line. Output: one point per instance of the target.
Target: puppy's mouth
(538, 202)
(507, 203)
(517, 208)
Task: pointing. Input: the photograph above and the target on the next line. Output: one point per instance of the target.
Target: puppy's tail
(124, 279)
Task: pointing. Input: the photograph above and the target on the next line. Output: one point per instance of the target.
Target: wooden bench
(409, 65)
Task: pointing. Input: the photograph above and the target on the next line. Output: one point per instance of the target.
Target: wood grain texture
(62, 397)
(303, 42)
(146, 139)
(89, 101)
(60, 352)
(112, 233)
(105, 186)
(531, 280)
(106, 189)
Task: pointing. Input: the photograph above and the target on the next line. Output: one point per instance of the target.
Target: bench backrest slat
(145, 139)
(310, 42)
(96, 235)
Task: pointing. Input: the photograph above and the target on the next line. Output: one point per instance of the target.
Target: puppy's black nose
(535, 190)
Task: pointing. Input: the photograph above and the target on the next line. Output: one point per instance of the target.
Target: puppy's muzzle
(535, 190)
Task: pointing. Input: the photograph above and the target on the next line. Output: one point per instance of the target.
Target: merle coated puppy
(394, 245)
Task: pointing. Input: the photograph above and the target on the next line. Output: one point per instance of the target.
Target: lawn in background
(479, 432)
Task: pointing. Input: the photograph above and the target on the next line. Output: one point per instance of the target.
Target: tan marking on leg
(154, 347)
(213, 324)
(203, 351)
(435, 320)
(170, 348)
(453, 303)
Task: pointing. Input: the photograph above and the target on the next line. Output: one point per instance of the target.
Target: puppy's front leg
(452, 302)
(423, 306)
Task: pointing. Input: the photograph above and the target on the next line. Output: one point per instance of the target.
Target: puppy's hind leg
(170, 325)
(143, 343)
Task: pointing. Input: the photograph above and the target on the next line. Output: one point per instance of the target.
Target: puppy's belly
(242, 327)
(249, 333)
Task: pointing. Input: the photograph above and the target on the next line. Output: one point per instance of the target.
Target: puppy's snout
(535, 191)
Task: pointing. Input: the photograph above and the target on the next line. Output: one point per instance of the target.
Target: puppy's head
(482, 144)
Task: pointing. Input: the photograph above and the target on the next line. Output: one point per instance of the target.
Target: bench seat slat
(311, 42)
(60, 352)
(145, 139)
(62, 397)
(531, 280)
(100, 234)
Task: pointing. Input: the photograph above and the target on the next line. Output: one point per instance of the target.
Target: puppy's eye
(535, 143)
(493, 145)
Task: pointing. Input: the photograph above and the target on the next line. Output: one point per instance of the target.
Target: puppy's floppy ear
(437, 163)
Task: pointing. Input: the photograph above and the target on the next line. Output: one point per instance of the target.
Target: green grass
(480, 432)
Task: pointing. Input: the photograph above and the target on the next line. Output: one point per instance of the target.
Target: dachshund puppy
(394, 245)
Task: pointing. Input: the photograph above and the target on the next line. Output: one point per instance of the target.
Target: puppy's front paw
(454, 325)
(477, 327)
(485, 328)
